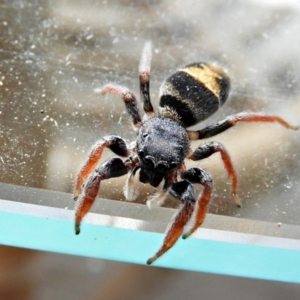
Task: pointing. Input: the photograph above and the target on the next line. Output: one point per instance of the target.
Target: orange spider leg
(113, 167)
(207, 150)
(231, 121)
(184, 190)
(115, 143)
(128, 98)
(181, 219)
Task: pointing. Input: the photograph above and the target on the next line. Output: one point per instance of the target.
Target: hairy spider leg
(230, 121)
(113, 167)
(197, 175)
(144, 75)
(207, 150)
(128, 98)
(115, 143)
(186, 192)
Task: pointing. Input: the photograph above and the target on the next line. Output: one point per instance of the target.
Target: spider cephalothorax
(187, 97)
(162, 145)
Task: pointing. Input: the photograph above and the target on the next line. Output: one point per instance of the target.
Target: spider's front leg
(114, 143)
(113, 167)
(184, 190)
(197, 175)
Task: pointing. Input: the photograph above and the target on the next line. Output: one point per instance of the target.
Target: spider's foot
(77, 229)
(236, 199)
(191, 230)
(187, 234)
(293, 127)
(76, 195)
(169, 242)
(151, 260)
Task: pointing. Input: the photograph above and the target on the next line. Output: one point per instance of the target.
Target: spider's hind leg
(231, 121)
(128, 98)
(144, 75)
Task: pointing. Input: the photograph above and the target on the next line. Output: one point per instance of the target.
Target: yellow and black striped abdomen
(195, 92)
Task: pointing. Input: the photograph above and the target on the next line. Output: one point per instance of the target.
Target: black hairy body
(162, 145)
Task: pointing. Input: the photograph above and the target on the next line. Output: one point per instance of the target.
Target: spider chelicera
(187, 97)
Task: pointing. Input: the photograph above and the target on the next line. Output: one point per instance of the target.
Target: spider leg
(113, 167)
(144, 74)
(197, 175)
(129, 100)
(230, 121)
(186, 192)
(114, 143)
(207, 150)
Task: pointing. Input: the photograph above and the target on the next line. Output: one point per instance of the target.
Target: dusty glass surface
(54, 53)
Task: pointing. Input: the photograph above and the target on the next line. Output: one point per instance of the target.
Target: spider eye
(162, 167)
(173, 165)
(148, 161)
(141, 153)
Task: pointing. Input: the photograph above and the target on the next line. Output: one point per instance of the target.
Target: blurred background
(54, 53)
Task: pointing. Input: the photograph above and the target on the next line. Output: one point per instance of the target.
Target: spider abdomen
(195, 92)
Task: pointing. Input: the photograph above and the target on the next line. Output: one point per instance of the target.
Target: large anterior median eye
(162, 166)
(173, 165)
(148, 160)
(141, 153)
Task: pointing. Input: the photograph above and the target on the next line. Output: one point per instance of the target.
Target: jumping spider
(187, 97)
